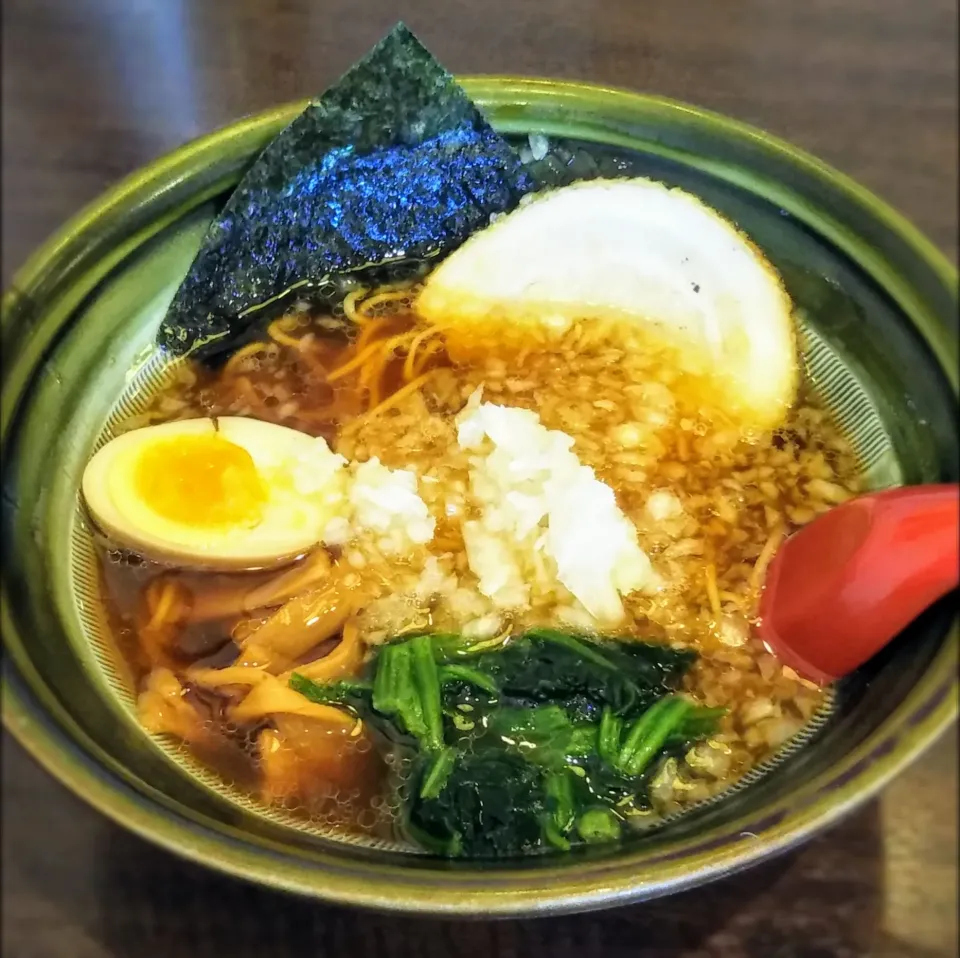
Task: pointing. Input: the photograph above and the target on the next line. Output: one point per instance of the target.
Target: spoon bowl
(845, 585)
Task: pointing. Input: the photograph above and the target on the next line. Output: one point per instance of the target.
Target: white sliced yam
(634, 250)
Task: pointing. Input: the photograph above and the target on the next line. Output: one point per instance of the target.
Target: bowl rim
(903, 736)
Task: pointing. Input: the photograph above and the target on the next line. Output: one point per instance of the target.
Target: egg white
(303, 479)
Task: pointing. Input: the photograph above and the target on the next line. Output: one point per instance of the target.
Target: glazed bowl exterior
(76, 321)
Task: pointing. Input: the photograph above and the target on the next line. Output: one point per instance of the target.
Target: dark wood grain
(94, 88)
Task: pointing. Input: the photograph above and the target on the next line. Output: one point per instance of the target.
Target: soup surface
(451, 486)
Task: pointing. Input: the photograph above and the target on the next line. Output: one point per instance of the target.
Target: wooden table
(94, 88)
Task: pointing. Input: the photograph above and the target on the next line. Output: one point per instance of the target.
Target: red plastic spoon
(843, 586)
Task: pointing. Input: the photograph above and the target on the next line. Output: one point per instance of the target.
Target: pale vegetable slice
(297, 626)
(343, 661)
(631, 250)
(239, 598)
(270, 695)
(229, 675)
(163, 709)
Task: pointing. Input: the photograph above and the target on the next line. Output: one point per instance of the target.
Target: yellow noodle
(353, 364)
(713, 595)
(394, 342)
(251, 349)
(387, 296)
(166, 607)
(372, 367)
(276, 332)
(401, 393)
(350, 305)
(763, 560)
(368, 332)
(375, 381)
(408, 365)
(428, 351)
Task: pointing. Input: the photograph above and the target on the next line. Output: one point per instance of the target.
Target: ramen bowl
(877, 307)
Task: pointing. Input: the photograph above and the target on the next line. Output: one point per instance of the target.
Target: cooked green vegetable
(543, 740)
(583, 676)
(650, 732)
(396, 690)
(544, 736)
(474, 677)
(560, 801)
(608, 739)
(698, 723)
(342, 692)
(584, 650)
(599, 825)
(426, 684)
(493, 805)
(386, 683)
(438, 773)
(561, 808)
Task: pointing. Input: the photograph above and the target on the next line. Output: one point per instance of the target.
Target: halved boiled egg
(634, 250)
(227, 493)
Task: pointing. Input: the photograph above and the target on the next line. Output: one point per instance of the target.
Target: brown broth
(641, 425)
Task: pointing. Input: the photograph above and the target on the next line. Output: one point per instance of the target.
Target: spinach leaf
(426, 683)
(583, 676)
(492, 805)
(608, 737)
(469, 676)
(544, 736)
(353, 693)
(540, 741)
(599, 825)
(395, 691)
(435, 779)
(650, 733)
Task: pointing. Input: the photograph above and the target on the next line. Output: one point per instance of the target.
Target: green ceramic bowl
(879, 306)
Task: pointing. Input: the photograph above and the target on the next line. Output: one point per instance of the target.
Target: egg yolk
(200, 480)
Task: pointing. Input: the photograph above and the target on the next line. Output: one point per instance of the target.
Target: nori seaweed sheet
(393, 165)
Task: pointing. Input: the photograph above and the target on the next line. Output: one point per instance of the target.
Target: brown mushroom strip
(240, 598)
(296, 627)
(163, 710)
(231, 675)
(343, 661)
(271, 695)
